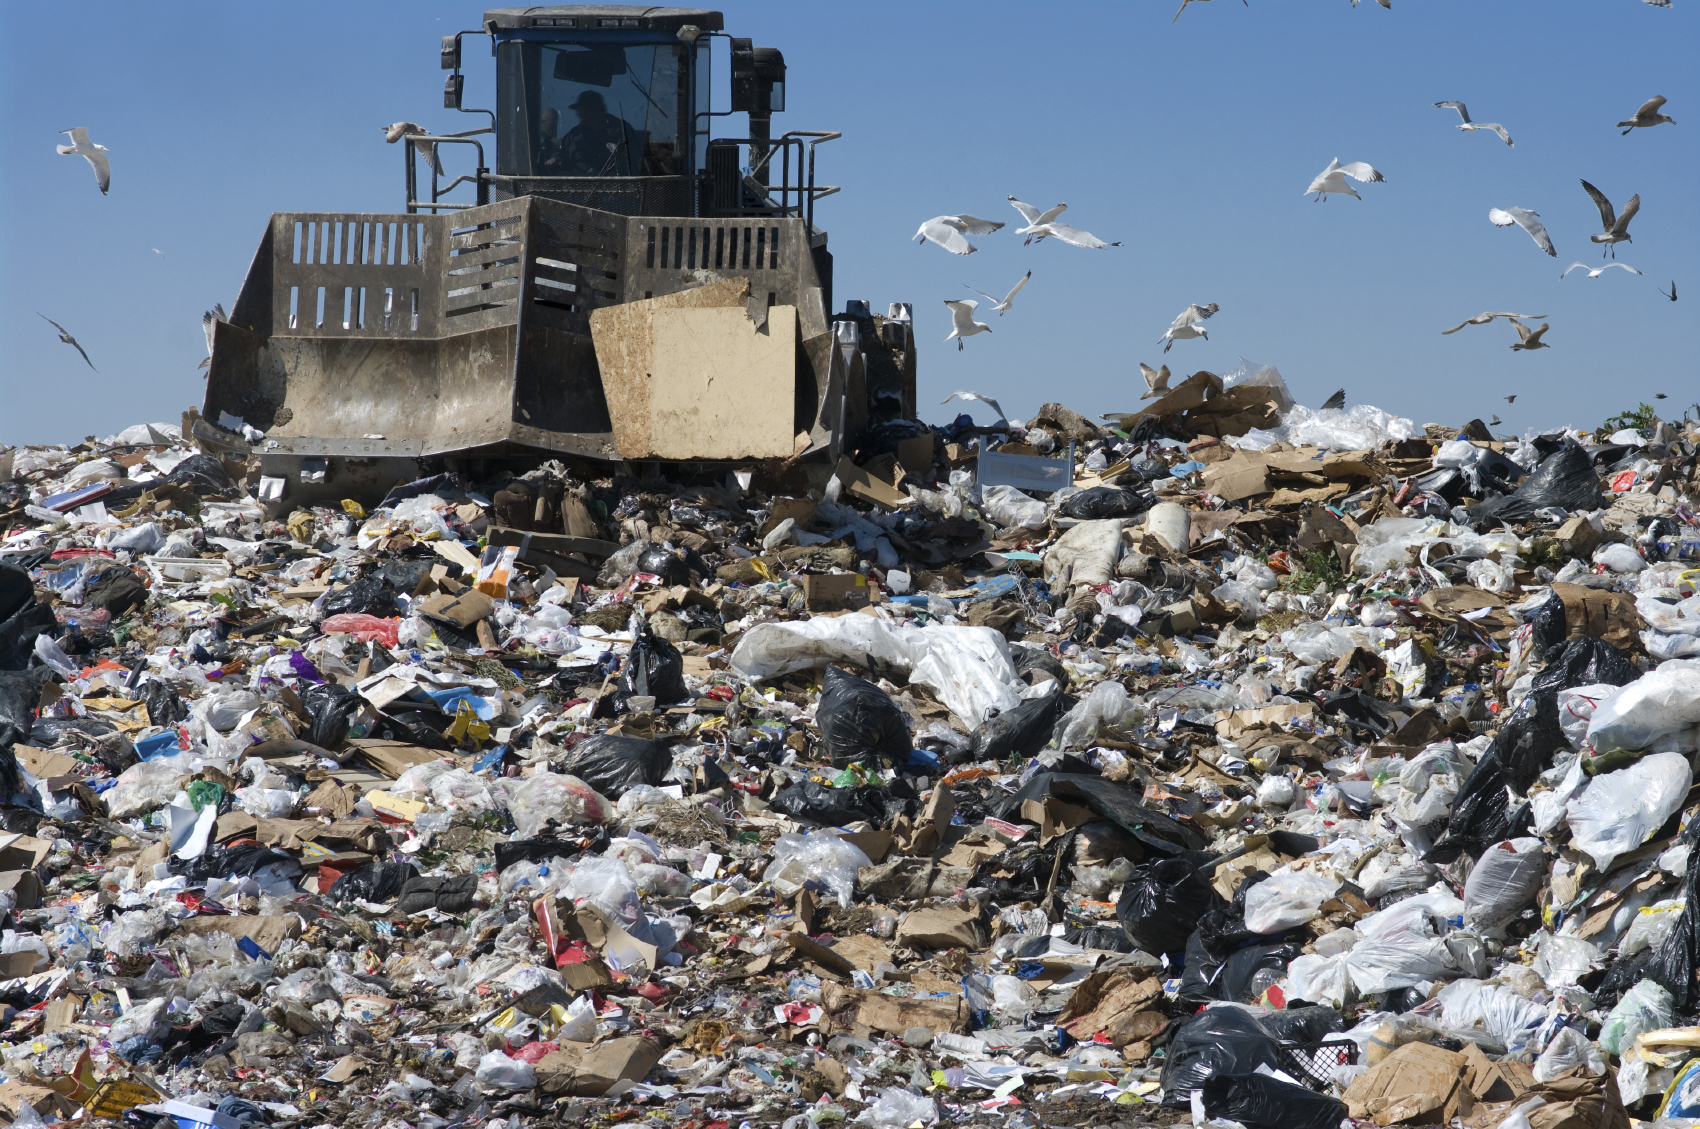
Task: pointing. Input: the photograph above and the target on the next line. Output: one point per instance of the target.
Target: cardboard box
(25, 884)
(462, 610)
(839, 591)
(1418, 1083)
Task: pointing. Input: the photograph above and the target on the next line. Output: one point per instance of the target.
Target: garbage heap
(1281, 767)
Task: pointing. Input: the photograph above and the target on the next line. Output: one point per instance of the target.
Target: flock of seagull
(951, 233)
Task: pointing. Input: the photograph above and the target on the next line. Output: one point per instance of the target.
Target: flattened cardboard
(1610, 616)
(839, 591)
(865, 486)
(850, 1009)
(587, 1070)
(25, 883)
(1418, 1083)
(462, 610)
(1119, 1003)
(269, 931)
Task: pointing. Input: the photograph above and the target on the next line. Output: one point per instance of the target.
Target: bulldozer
(627, 290)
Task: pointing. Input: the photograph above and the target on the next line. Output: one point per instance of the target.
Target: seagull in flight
(1530, 338)
(1189, 324)
(948, 232)
(209, 322)
(66, 337)
(1002, 307)
(975, 396)
(1333, 178)
(1184, 3)
(1484, 318)
(962, 323)
(1388, 4)
(1042, 224)
(1469, 126)
(81, 146)
(427, 149)
(1494, 422)
(1596, 272)
(1616, 227)
(1525, 219)
(1672, 294)
(1511, 399)
(1336, 401)
(1648, 116)
(1156, 380)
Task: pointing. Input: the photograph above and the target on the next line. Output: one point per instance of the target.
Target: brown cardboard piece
(1493, 1081)
(863, 950)
(588, 1070)
(838, 591)
(62, 1012)
(1055, 817)
(23, 852)
(930, 829)
(798, 509)
(45, 764)
(1575, 1100)
(607, 937)
(915, 455)
(861, 1010)
(865, 486)
(1238, 721)
(1610, 616)
(462, 610)
(25, 883)
(1119, 1003)
(942, 927)
(19, 964)
(392, 758)
(1418, 1083)
(267, 931)
(811, 950)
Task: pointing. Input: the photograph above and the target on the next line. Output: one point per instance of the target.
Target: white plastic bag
(1568, 1049)
(1619, 558)
(1651, 926)
(1658, 704)
(1009, 507)
(1319, 979)
(1577, 706)
(1504, 880)
(1645, 1007)
(500, 1072)
(1565, 960)
(1498, 1010)
(820, 856)
(898, 1108)
(1106, 705)
(552, 795)
(1620, 810)
(1286, 899)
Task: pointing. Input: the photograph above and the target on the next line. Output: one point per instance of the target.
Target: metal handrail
(466, 138)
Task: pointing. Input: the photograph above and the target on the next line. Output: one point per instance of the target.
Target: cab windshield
(592, 110)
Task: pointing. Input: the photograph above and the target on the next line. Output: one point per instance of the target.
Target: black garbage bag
(1674, 963)
(1104, 501)
(374, 882)
(510, 851)
(1163, 900)
(859, 721)
(411, 726)
(48, 730)
(1586, 661)
(831, 806)
(406, 574)
(1305, 1024)
(1525, 744)
(203, 474)
(1021, 731)
(1220, 1040)
(1549, 629)
(27, 618)
(241, 860)
(1624, 974)
(1565, 480)
(1258, 1101)
(669, 565)
(653, 668)
(614, 765)
(1109, 938)
(372, 595)
(1023, 873)
(450, 895)
(1241, 977)
(117, 590)
(1481, 814)
(164, 706)
(330, 709)
(1037, 661)
(439, 484)
(20, 693)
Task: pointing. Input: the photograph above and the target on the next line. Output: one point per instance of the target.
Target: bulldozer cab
(619, 286)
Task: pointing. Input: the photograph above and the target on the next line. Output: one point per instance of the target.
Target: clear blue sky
(1192, 143)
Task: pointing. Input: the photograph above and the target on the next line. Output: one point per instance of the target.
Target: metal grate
(1314, 1063)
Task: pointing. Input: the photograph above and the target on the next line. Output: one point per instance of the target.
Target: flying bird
(1660, 396)
(1525, 219)
(1336, 401)
(1672, 294)
(1595, 272)
(1184, 3)
(1485, 317)
(66, 337)
(1616, 227)
(1002, 307)
(1646, 117)
(1189, 324)
(1156, 380)
(81, 146)
(1494, 422)
(209, 322)
(158, 252)
(948, 232)
(1388, 4)
(960, 395)
(1530, 339)
(427, 149)
(1511, 399)
(1333, 178)
(1043, 224)
(962, 323)
(1469, 126)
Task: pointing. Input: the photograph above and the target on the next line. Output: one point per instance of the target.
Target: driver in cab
(596, 146)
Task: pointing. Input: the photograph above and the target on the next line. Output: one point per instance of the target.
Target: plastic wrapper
(1620, 810)
(552, 797)
(818, 857)
(1105, 706)
(1504, 879)
(363, 628)
(606, 883)
(1286, 900)
(615, 764)
(1260, 1101)
(859, 722)
(1648, 1006)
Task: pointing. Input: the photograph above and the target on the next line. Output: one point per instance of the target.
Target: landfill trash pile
(1273, 766)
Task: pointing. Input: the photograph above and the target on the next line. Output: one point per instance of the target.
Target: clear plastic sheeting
(1619, 811)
